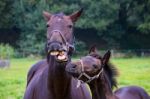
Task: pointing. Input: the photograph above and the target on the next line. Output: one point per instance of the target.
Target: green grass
(133, 71)
(13, 79)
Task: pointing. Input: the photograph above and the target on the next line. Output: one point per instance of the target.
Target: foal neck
(101, 88)
(58, 81)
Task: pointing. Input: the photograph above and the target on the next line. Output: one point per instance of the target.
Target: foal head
(60, 38)
(90, 67)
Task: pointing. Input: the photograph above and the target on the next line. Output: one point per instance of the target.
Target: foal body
(131, 92)
(101, 89)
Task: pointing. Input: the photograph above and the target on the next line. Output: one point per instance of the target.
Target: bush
(6, 51)
(80, 47)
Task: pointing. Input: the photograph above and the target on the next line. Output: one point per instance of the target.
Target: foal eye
(70, 26)
(95, 66)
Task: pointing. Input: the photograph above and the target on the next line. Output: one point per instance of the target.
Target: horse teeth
(54, 53)
(62, 52)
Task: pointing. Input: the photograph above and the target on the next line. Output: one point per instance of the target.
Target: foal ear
(106, 57)
(93, 50)
(76, 15)
(46, 15)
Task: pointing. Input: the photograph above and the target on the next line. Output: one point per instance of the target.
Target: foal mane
(110, 69)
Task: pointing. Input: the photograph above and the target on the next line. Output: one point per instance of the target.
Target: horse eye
(47, 25)
(70, 26)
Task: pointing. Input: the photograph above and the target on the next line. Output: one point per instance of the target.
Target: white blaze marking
(59, 19)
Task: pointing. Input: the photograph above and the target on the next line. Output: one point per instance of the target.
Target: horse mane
(112, 74)
(110, 69)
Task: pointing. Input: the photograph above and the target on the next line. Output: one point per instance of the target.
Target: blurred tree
(117, 23)
(8, 31)
(6, 13)
(139, 15)
(135, 19)
(29, 18)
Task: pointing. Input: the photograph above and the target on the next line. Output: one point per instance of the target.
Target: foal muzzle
(84, 74)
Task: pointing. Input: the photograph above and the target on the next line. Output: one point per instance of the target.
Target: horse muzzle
(72, 70)
(58, 50)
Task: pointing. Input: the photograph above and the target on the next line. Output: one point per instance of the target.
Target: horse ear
(93, 50)
(76, 15)
(46, 15)
(106, 57)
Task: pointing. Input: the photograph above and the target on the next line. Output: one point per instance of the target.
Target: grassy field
(134, 71)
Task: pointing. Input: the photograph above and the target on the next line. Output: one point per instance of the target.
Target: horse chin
(65, 60)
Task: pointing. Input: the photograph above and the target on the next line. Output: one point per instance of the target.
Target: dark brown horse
(48, 79)
(101, 77)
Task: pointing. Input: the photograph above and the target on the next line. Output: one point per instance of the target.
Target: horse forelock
(60, 15)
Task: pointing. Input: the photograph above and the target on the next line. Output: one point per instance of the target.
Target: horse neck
(58, 81)
(101, 88)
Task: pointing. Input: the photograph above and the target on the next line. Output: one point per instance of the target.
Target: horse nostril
(54, 46)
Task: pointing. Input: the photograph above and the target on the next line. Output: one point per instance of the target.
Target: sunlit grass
(13, 79)
(133, 71)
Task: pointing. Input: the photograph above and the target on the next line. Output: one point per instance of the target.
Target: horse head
(88, 67)
(60, 38)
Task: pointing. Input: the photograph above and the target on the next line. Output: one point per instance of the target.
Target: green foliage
(6, 13)
(29, 19)
(138, 14)
(115, 21)
(6, 51)
(80, 46)
(134, 18)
